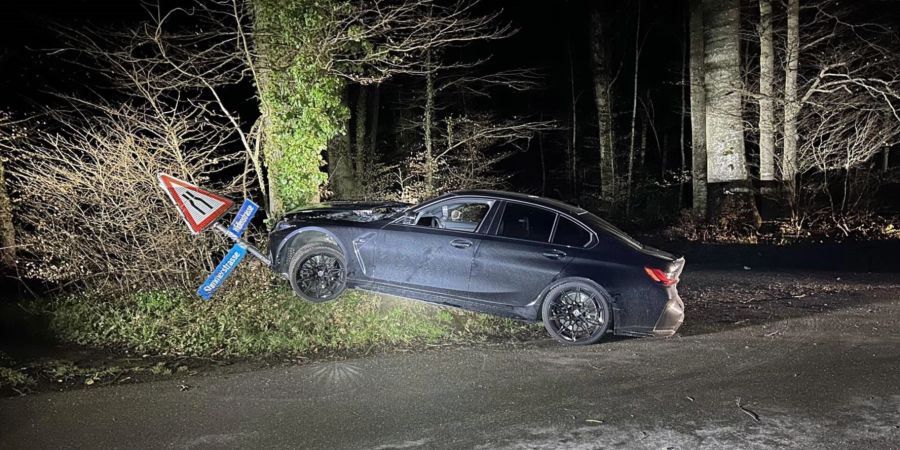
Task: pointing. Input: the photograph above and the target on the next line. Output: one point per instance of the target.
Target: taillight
(659, 276)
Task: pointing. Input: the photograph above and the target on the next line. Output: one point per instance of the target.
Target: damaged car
(494, 252)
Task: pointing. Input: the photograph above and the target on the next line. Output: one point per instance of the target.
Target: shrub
(88, 204)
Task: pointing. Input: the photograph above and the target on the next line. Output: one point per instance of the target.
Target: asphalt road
(823, 378)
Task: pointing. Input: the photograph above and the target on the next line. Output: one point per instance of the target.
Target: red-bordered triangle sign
(199, 207)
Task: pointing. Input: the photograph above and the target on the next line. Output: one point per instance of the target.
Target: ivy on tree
(301, 100)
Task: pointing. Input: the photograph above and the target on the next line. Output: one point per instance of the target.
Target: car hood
(353, 211)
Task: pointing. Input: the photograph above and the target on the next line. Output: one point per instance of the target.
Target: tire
(576, 313)
(318, 272)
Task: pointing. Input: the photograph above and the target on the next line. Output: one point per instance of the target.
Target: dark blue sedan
(494, 252)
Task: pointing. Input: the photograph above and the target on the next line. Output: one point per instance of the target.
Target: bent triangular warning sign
(199, 207)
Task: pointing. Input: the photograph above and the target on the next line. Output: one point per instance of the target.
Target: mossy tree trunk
(428, 125)
(302, 105)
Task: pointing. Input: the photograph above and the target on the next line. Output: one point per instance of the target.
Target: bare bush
(88, 202)
(465, 155)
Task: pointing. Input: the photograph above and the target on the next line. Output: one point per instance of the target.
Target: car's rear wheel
(318, 272)
(576, 313)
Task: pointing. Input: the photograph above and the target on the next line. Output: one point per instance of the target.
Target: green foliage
(301, 101)
(13, 378)
(245, 322)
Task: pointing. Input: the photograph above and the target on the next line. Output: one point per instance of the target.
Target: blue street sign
(218, 276)
(242, 219)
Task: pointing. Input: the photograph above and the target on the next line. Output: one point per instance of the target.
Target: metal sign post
(239, 241)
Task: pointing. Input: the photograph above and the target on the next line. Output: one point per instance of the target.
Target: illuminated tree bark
(428, 125)
(7, 230)
(603, 103)
(634, 102)
(732, 197)
(791, 105)
(766, 107)
(698, 109)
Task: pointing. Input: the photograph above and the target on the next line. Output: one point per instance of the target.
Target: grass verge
(268, 321)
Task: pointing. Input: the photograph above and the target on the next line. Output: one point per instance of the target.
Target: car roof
(586, 218)
(505, 195)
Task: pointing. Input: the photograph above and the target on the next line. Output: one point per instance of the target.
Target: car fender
(613, 304)
(297, 233)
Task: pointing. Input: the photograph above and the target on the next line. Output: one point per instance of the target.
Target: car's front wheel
(576, 313)
(318, 272)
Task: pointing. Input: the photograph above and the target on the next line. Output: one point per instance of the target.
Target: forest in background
(717, 118)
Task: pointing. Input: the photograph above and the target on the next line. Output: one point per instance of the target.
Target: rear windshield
(599, 224)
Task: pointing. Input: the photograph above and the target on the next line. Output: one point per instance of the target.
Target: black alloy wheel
(576, 313)
(318, 273)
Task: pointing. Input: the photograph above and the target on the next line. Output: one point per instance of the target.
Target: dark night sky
(546, 28)
(27, 34)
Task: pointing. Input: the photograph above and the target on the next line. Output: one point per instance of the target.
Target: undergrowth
(265, 321)
(12, 378)
(821, 227)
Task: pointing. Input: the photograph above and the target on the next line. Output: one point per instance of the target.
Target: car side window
(461, 215)
(526, 222)
(570, 233)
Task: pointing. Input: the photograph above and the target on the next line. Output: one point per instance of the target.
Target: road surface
(824, 377)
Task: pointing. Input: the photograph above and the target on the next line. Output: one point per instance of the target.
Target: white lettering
(241, 221)
(221, 274)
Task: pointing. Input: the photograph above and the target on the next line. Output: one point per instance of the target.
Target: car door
(517, 261)
(432, 249)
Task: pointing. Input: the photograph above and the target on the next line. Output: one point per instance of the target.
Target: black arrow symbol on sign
(191, 198)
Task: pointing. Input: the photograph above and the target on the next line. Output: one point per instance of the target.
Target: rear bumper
(671, 317)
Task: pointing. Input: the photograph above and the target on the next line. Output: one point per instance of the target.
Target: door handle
(554, 254)
(461, 243)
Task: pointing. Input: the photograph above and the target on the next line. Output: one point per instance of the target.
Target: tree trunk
(698, 110)
(572, 163)
(664, 154)
(428, 123)
(374, 110)
(7, 230)
(543, 160)
(362, 114)
(642, 154)
(681, 117)
(766, 108)
(789, 159)
(634, 101)
(603, 102)
(341, 179)
(732, 200)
